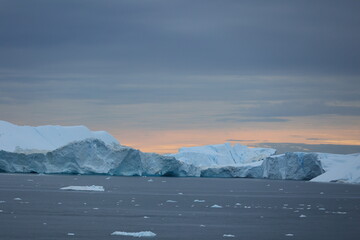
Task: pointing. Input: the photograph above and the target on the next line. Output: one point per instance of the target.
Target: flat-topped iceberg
(290, 166)
(225, 160)
(29, 139)
(222, 155)
(93, 156)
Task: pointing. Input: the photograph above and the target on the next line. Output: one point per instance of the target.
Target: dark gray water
(251, 209)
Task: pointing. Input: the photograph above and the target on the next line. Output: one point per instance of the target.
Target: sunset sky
(163, 74)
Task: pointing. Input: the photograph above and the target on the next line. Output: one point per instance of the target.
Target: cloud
(238, 140)
(264, 94)
(252, 120)
(181, 37)
(279, 111)
(316, 139)
(179, 64)
(300, 147)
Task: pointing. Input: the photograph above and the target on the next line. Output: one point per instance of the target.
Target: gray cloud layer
(273, 59)
(182, 36)
(298, 147)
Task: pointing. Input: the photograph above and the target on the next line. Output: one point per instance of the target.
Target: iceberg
(222, 155)
(339, 168)
(292, 166)
(288, 166)
(27, 139)
(93, 156)
(240, 161)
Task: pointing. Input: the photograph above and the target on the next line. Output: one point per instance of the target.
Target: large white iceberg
(290, 166)
(93, 156)
(339, 168)
(28, 139)
(222, 155)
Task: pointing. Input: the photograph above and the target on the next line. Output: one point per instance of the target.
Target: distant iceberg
(222, 155)
(289, 166)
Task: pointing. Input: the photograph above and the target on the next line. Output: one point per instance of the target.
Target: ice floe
(216, 206)
(84, 188)
(134, 234)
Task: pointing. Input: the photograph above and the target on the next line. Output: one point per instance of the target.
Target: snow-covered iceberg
(224, 160)
(222, 155)
(292, 165)
(29, 139)
(77, 150)
(240, 161)
(93, 156)
(289, 166)
(339, 168)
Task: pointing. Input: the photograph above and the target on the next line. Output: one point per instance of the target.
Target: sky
(159, 75)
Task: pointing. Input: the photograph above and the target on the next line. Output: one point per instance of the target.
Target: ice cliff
(93, 156)
(290, 166)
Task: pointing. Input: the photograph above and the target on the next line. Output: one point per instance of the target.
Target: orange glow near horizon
(169, 141)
